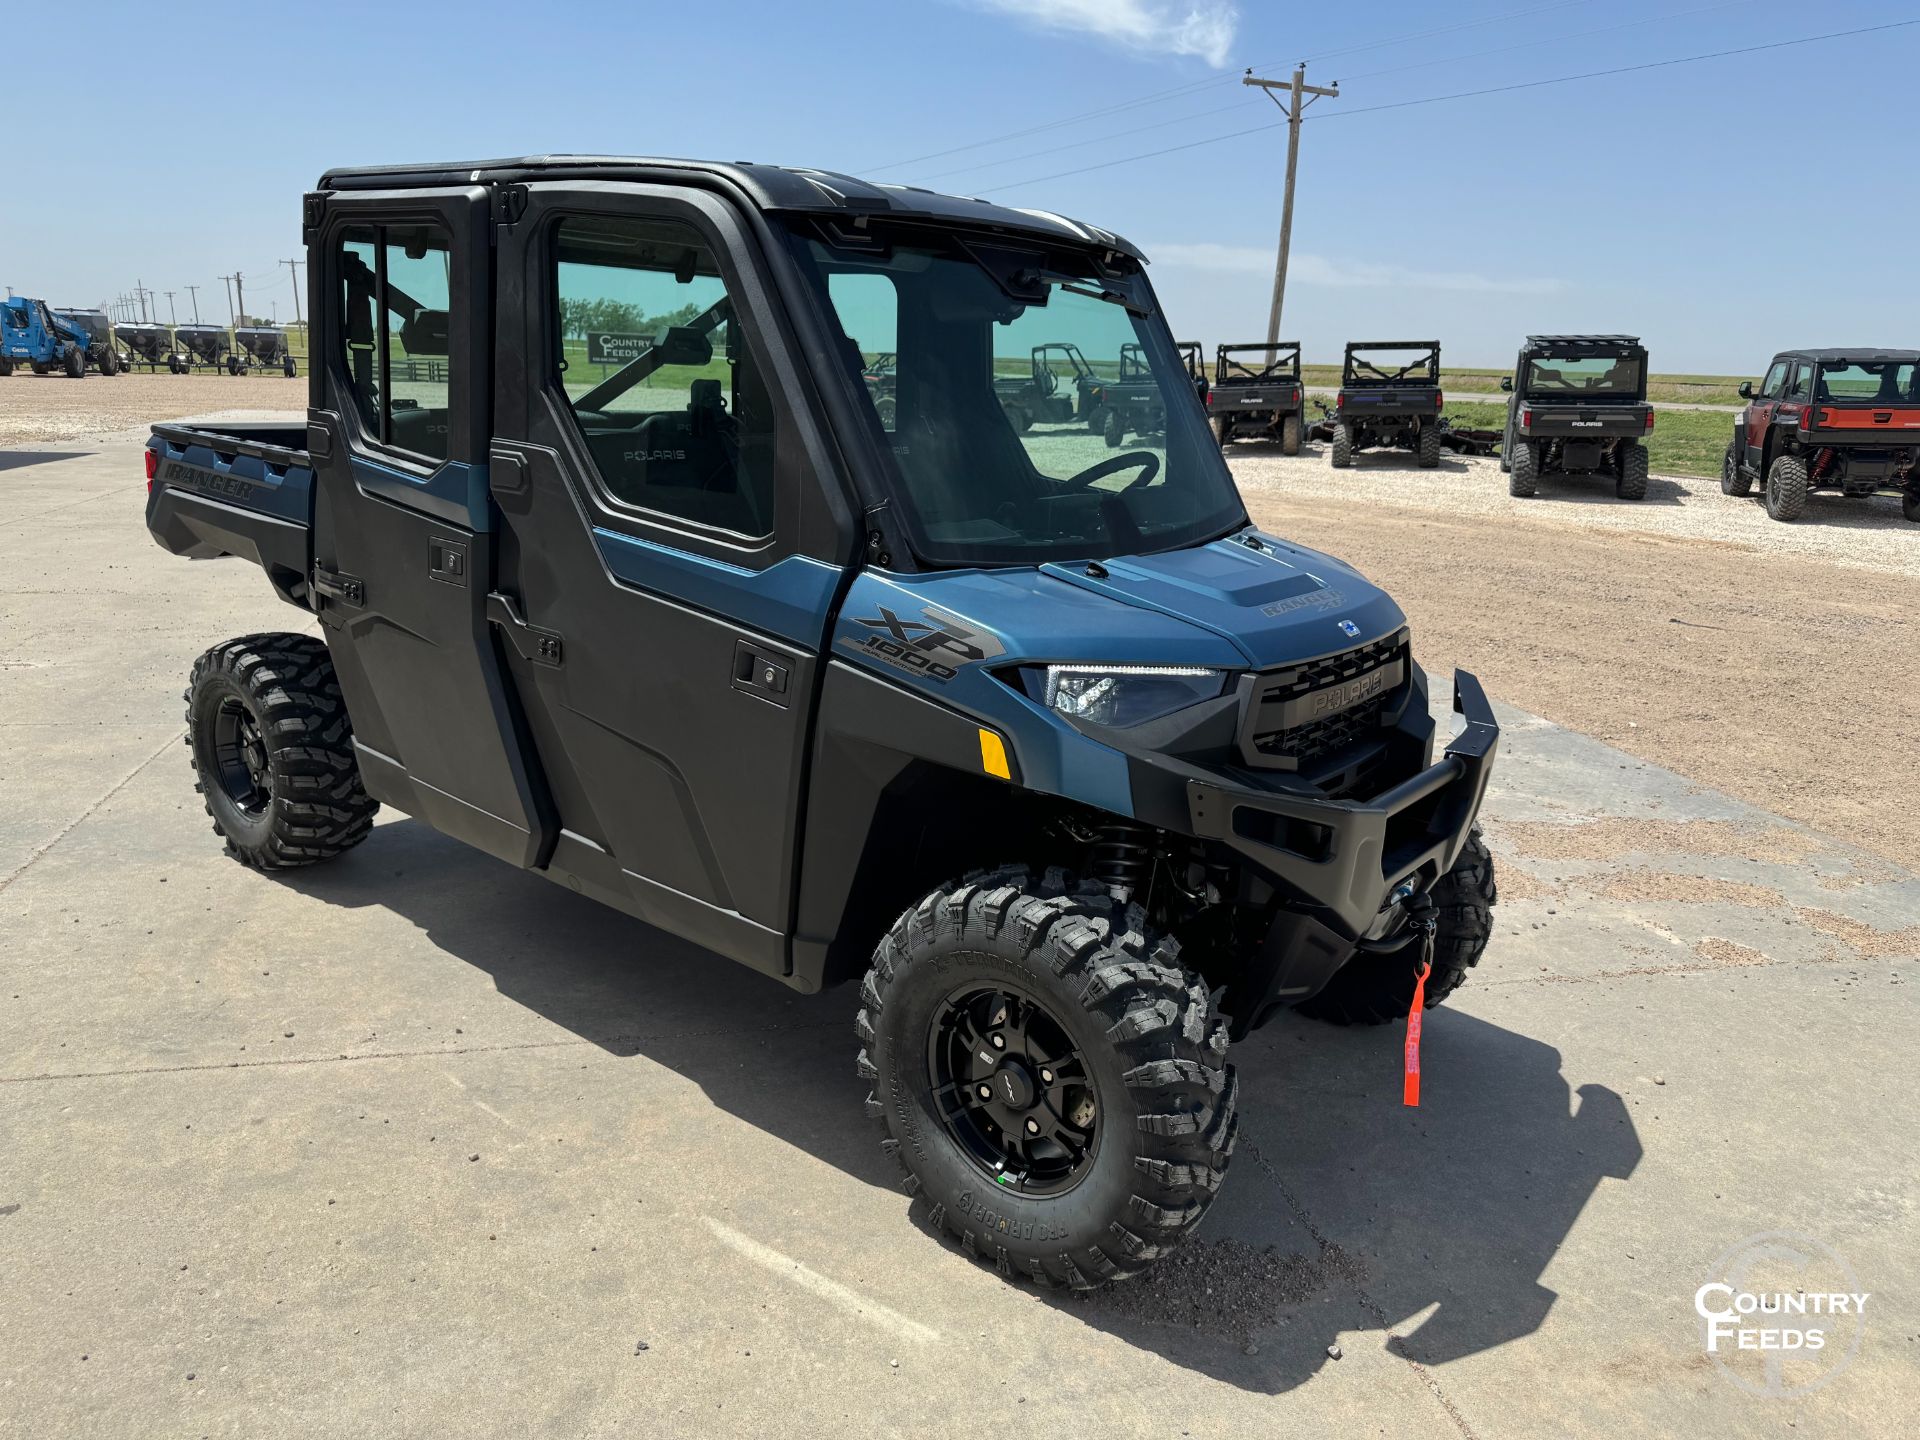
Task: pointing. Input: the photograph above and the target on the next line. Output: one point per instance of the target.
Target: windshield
(1009, 440)
(1884, 381)
(1589, 376)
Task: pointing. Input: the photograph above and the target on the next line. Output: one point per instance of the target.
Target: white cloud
(1177, 27)
(1308, 269)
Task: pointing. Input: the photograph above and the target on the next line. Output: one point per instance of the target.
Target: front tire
(1734, 480)
(1428, 448)
(1049, 1077)
(272, 751)
(1290, 435)
(1371, 990)
(1910, 507)
(1342, 455)
(1632, 481)
(1787, 488)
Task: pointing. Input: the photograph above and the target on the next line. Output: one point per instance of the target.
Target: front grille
(1286, 731)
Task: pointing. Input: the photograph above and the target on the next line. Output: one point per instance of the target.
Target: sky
(1722, 210)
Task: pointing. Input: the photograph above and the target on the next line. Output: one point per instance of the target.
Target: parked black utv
(1257, 392)
(1579, 407)
(1389, 397)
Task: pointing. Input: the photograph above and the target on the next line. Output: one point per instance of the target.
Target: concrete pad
(417, 1143)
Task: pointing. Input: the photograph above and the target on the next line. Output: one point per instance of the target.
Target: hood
(1276, 604)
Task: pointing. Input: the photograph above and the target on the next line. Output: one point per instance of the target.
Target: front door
(1759, 415)
(669, 557)
(403, 565)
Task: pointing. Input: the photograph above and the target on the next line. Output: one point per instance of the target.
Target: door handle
(530, 642)
(759, 673)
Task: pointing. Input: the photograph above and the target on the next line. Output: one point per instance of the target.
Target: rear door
(673, 544)
(398, 432)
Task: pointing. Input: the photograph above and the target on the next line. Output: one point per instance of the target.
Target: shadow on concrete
(1383, 1212)
(20, 459)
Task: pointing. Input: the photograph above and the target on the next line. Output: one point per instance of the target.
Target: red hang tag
(1410, 1095)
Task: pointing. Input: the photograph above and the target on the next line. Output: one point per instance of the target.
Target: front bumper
(1346, 859)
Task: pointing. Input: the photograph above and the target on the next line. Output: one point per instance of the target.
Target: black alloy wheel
(1012, 1091)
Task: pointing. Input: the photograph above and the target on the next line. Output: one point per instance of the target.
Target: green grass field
(1674, 389)
(1684, 442)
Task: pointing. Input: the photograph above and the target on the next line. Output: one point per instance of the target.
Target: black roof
(767, 187)
(1867, 352)
(1593, 340)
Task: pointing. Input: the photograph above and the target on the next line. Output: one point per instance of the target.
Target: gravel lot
(1871, 534)
(51, 409)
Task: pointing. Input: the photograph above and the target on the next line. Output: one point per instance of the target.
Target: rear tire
(1114, 429)
(1523, 468)
(1632, 481)
(1428, 446)
(1787, 488)
(1371, 990)
(1910, 507)
(1342, 455)
(272, 751)
(6, 368)
(75, 362)
(1223, 430)
(1077, 982)
(1290, 435)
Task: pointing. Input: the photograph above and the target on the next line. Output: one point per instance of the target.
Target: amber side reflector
(993, 755)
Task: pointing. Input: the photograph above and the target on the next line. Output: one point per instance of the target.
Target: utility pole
(194, 292)
(173, 313)
(140, 290)
(240, 299)
(1296, 87)
(228, 280)
(293, 269)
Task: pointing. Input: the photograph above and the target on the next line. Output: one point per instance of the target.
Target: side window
(1775, 382)
(1800, 387)
(663, 385)
(396, 284)
(869, 311)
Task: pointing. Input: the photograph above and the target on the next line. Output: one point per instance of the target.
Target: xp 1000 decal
(932, 646)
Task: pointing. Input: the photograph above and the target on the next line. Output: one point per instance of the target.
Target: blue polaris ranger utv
(621, 575)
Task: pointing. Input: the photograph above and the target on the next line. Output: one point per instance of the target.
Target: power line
(1240, 103)
(1326, 55)
(1621, 69)
(1546, 40)
(1461, 95)
(1193, 86)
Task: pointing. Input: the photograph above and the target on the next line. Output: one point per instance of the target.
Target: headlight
(1127, 694)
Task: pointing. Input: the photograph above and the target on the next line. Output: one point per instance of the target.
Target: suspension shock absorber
(1122, 859)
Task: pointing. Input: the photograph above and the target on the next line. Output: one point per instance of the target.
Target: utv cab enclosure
(1578, 407)
(1389, 396)
(1841, 420)
(1072, 770)
(1257, 391)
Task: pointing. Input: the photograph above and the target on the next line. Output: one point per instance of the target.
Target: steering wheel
(1145, 461)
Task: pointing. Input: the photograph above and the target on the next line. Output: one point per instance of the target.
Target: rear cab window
(395, 282)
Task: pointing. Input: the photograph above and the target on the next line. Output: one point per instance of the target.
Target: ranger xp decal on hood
(932, 647)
